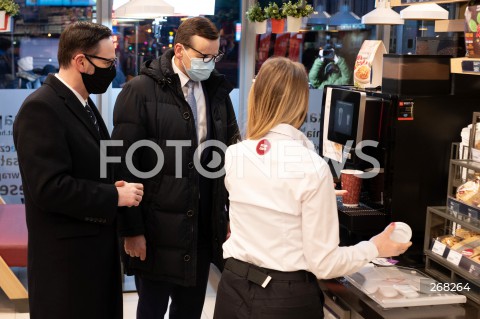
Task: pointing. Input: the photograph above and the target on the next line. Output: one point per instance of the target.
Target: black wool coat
(152, 107)
(73, 256)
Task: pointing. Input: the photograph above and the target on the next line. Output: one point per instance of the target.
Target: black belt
(262, 276)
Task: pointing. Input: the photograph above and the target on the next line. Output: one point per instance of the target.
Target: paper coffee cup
(352, 183)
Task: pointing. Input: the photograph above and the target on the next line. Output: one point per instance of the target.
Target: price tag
(471, 66)
(438, 248)
(454, 257)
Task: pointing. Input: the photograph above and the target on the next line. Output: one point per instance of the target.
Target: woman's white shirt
(283, 210)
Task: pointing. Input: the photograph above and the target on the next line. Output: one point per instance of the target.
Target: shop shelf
(456, 65)
(456, 25)
(441, 221)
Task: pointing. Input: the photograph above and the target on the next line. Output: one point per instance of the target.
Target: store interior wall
(241, 66)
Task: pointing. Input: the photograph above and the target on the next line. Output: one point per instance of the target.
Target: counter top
(354, 304)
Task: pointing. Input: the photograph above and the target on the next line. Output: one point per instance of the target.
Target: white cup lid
(402, 233)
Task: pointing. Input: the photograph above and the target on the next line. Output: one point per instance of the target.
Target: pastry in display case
(464, 242)
(463, 196)
(452, 233)
(452, 249)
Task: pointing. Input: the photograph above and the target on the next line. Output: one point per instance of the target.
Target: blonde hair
(279, 95)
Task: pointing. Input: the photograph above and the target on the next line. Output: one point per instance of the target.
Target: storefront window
(142, 40)
(414, 37)
(419, 37)
(341, 41)
(28, 52)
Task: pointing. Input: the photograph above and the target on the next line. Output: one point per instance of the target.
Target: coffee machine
(406, 140)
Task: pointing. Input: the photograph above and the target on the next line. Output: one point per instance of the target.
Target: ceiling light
(144, 9)
(344, 16)
(319, 16)
(383, 14)
(424, 11)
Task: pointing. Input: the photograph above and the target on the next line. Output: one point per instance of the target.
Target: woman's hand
(387, 247)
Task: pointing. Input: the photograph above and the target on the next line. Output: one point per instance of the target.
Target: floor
(7, 308)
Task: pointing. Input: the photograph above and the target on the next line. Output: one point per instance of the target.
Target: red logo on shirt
(263, 147)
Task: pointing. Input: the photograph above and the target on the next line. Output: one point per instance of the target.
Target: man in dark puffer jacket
(177, 103)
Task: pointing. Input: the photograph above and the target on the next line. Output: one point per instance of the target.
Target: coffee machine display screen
(343, 119)
(345, 122)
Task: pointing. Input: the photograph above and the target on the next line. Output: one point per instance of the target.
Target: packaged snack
(466, 192)
(468, 247)
(472, 29)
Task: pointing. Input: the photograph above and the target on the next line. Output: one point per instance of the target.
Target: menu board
(368, 65)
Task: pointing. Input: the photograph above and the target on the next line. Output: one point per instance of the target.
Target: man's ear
(80, 63)
(178, 50)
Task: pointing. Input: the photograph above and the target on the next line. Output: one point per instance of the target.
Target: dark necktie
(92, 116)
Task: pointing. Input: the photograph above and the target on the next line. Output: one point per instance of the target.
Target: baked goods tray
(458, 257)
(394, 287)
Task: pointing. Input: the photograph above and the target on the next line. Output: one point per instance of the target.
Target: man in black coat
(71, 205)
(177, 103)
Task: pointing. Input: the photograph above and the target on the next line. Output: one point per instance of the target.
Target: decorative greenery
(272, 11)
(256, 14)
(10, 7)
(297, 9)
(306, 10)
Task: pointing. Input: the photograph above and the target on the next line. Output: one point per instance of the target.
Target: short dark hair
(196, 26)
(80, 37)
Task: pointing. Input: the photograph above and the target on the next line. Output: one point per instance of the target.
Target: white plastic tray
(372, 275)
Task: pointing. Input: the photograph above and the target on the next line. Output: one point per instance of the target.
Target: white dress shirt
(283, 210)
(79, 97)
(199, 98)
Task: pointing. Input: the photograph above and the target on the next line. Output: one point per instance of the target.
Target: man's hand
(136, 246)
(387, 247)
(129, 194)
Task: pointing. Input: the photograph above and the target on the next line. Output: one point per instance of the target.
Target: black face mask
(98, 82)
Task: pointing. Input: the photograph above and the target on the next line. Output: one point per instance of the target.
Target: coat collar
(74, 105)
(292, 133)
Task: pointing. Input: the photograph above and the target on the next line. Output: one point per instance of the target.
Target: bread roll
(464, 233)
(450, 240)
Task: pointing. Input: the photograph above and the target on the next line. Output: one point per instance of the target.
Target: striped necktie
(92, 116)
(191, 99)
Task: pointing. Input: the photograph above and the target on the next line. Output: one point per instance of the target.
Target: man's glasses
(208, 57)
(112, 62)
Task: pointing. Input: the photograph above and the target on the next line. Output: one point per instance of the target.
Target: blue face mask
(199, 70)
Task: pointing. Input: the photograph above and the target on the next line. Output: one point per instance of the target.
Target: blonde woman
(283, 212)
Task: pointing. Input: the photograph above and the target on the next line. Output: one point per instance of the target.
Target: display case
(463, 193)
(443, 249)
(452, 233)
